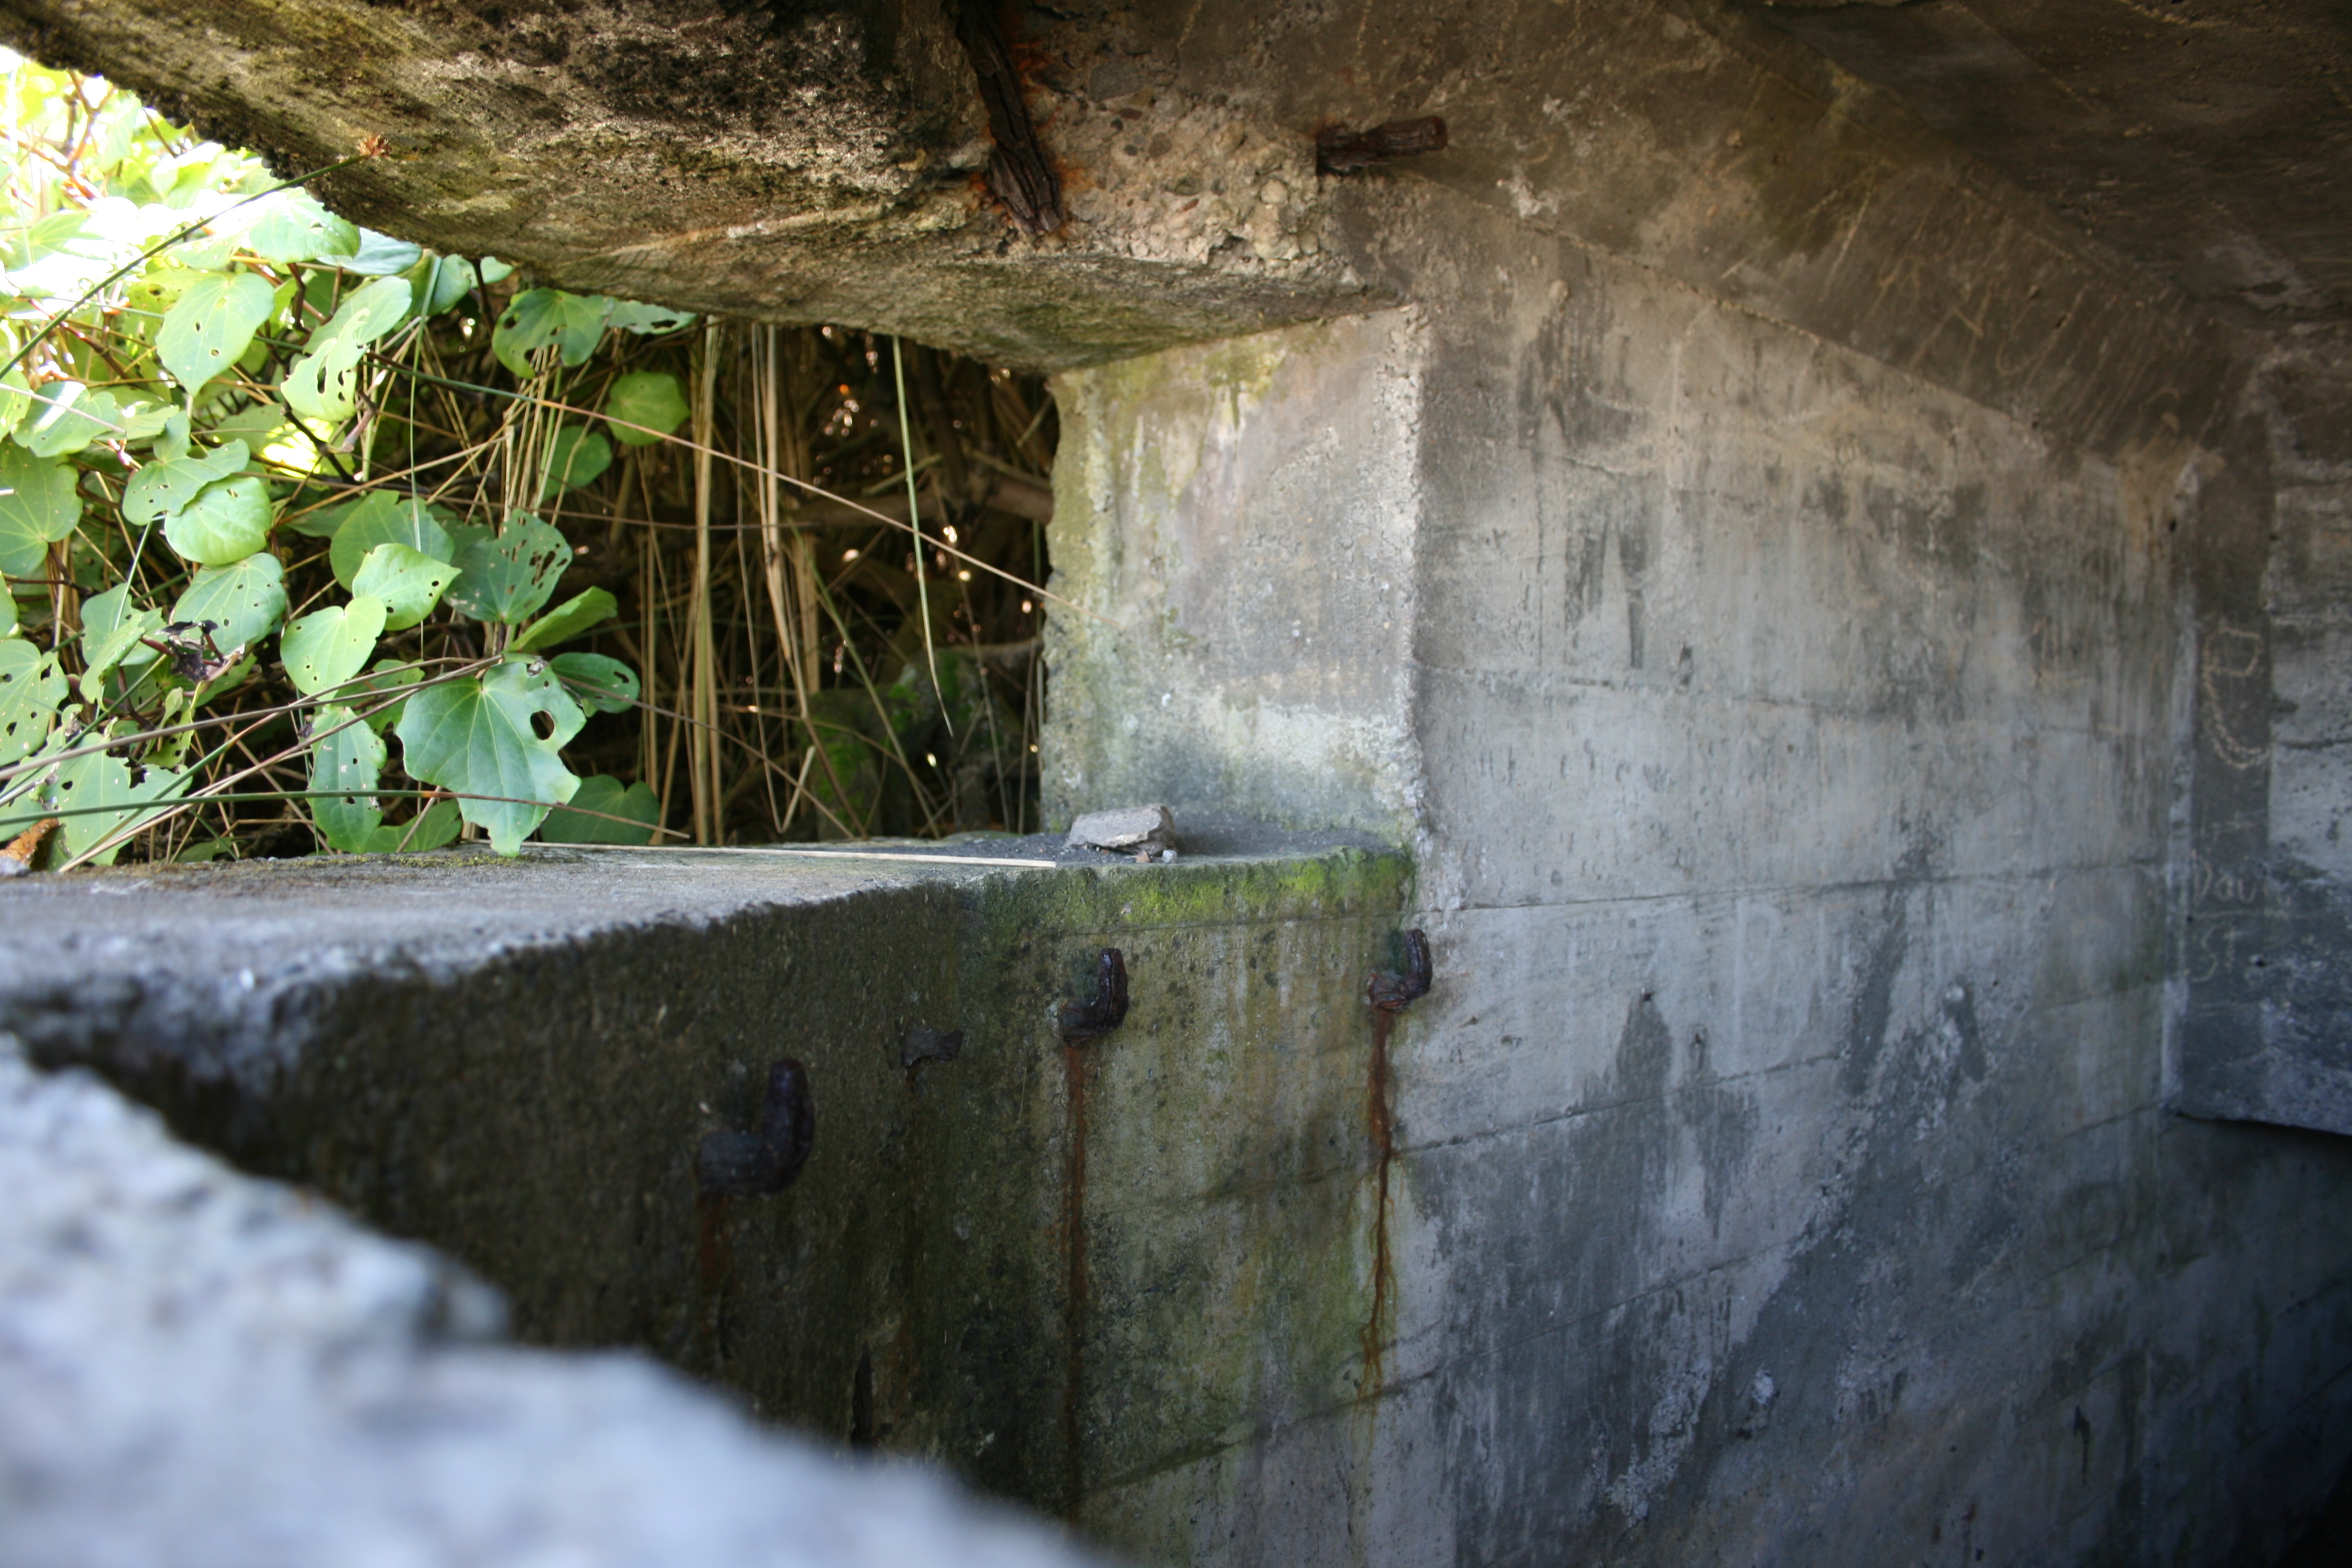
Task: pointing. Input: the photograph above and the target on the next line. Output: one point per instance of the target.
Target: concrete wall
(1799, 751)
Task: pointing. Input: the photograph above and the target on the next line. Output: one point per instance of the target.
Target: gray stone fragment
(201, 1368)
(1149, 828)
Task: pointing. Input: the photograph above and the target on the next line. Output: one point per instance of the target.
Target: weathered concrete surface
(2267, 971)
(1056, 1270)
(1793, 750)
(205, 1370)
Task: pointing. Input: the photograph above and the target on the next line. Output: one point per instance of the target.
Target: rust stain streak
(1378, 1124)
(1073, 1299)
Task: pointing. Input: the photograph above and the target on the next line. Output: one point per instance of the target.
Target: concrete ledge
(1051, 1268)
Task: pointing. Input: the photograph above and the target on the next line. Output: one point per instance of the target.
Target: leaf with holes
(602, 685)
(646, 320)
(243, 601)
(31, 687)
(386, 519)
(573, 323)
(327, 647)
(292, 225)
(81, 785)
(508, 577)
(110, 636)
(646, 406)
(39, 504)
(208, 330)
(409, 582)
(497, 735)
(226, 522)
(567, 620)
(605, 793)
(324, 384)
(68, 417)
(161, 488)
(576, 457)
(345, 756)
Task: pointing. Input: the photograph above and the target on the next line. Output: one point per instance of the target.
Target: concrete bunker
(1816, 622)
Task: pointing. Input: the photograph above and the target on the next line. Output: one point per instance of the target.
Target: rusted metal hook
(1082, 1021)
(1388, 991)
(753, 1164)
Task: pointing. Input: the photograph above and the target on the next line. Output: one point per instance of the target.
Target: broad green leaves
(161, 488)
(95, 796)
(226, 522)
(644, 405)
(39, 504)
(573, 324)
(386, 519)
(292, 225)
(567, 620)
(324, 382)
(604, 794)
(576, 457)
(409, 582)
(244, 601)
(209, 330)
(31, 687)
(482, 737)
(602, 685)
(508, 577)
(327, 647)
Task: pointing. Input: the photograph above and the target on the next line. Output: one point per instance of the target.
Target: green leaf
(441, 282)
(388, 676)
(432, 829)
(16, 399)
(574, 323)
(327, 647)
(7, 613)
(244, 601)
(575, 458)
(111, 634)
(229, 520)
(380, 256)
(566, 621)
(479, 737)
(604, 793)
(102, 779)
(293, 227)
(324, 384)
(39, 504)
(496, 271)
(601, 684)
(160, 488)
(68, 417)
(31, 687)
(650, 398)
(211, 326)
(646, 320)
(387, 519)
(347, 758)
(508, 577)
(409, 582)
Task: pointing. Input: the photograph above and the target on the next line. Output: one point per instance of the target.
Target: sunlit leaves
(113, 633)
(39, 505)
(96, 797)
(383, 518)
(209, 330)
(327, 647)
(160, 488)
(346, 755)
(291, 226)
(409, 582)
(497, 735)
(576, 614)
(244, 601)
(644, 405)
(225, 523)
(324, 384)
(508, 577)
(68, 417)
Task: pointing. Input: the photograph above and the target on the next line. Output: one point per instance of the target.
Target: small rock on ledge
(1149, 829)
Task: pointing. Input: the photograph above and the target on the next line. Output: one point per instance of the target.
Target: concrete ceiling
(2210, 140)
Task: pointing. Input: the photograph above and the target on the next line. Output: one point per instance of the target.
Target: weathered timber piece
(1019, 172)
